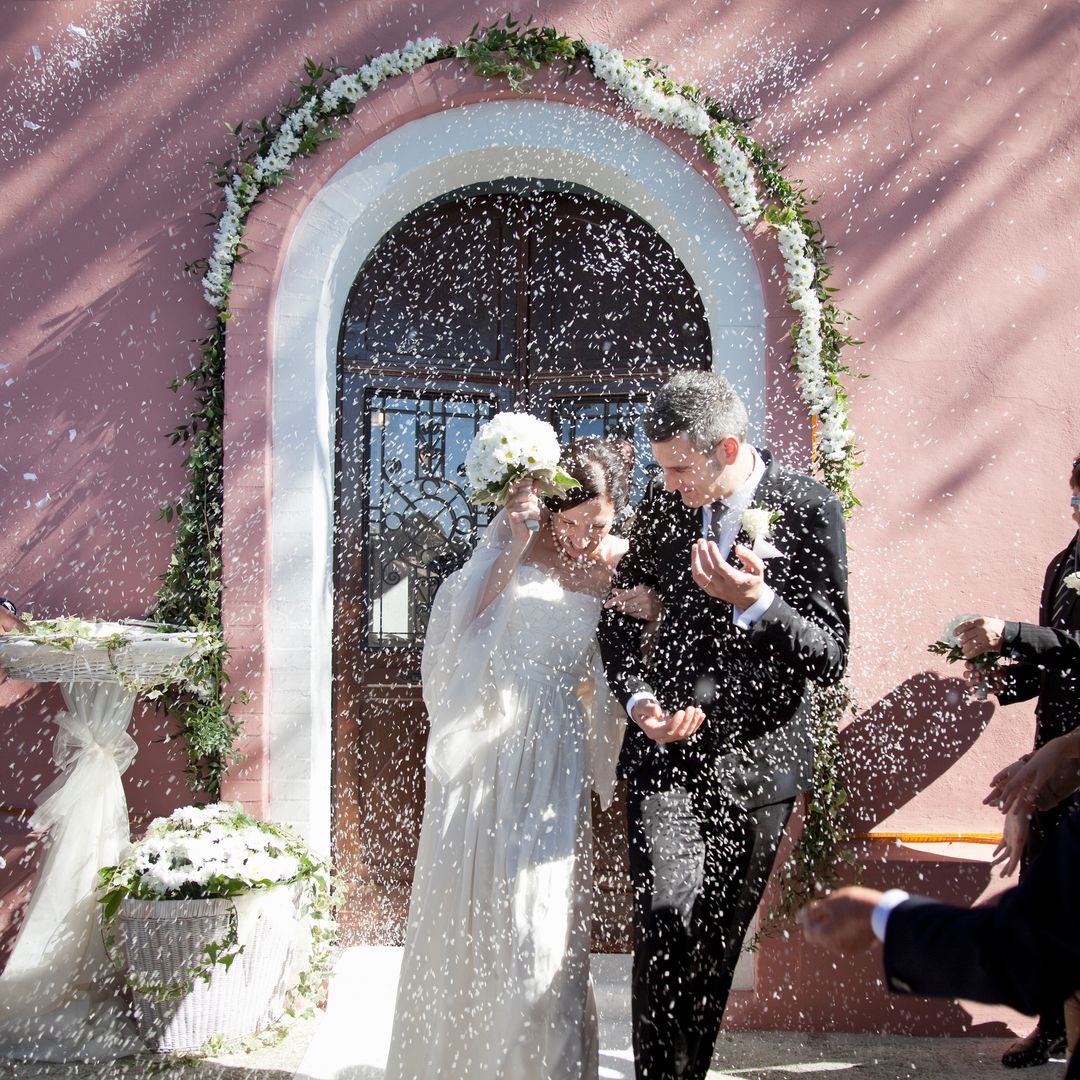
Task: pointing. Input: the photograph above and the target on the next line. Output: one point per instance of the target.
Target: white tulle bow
(92, 749)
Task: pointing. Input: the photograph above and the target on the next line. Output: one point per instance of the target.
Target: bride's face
(581, 529)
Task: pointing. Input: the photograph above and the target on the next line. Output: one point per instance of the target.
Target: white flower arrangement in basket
(512, 447)
(138, 655)
(221, 856)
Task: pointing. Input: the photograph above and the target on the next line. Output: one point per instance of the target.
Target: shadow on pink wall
(903, 743)
(894, 751)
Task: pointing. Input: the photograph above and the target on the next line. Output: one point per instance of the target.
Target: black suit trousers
(699, 862)
(1044, 823)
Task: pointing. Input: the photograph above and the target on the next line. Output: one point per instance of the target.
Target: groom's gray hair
(702, 405)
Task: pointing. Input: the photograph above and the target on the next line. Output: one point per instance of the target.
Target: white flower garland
(644, 93)
(633, 83)
(648, 95)
(267, 170)
(835, 438)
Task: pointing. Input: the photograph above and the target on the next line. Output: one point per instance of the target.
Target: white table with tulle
(60, 998)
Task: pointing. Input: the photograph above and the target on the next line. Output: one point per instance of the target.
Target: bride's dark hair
(602, 467)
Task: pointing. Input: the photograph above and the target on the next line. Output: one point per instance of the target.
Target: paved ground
(771, 1056)
(349, 1042)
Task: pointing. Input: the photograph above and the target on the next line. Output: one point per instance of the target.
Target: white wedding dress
(495, 976)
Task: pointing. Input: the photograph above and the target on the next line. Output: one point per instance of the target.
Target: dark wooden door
(531, 296)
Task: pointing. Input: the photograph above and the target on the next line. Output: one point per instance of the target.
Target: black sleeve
(1043, 646)
(1021, 682)
(807, 625)
(619, 635)
(1022, 951)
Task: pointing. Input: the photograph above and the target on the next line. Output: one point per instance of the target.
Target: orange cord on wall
(931, 838)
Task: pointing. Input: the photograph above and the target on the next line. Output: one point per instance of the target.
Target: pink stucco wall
(939, 139)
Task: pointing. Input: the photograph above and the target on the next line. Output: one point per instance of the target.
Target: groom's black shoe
(1034, 1049)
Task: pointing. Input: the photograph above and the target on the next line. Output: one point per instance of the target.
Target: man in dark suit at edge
(1022, 950)
(720, 744)
(1046, 665)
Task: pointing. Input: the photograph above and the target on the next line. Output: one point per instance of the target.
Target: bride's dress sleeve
(459, 688)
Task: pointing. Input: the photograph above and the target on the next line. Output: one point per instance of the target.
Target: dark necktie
(717, 510)
(1065, 594)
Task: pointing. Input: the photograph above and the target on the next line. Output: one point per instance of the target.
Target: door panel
(621, 303)
(553, 301)
(403, 524)
(422, 306)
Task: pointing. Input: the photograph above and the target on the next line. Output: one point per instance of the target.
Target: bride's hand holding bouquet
(524, 511)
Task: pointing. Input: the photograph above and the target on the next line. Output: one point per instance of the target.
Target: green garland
(191, 592)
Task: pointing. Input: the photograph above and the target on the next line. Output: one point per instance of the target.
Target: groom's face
(699, 476)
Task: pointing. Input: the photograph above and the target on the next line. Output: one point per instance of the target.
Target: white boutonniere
(757, 523)
(1072, 581)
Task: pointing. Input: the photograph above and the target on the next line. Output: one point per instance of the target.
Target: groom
(748, 559)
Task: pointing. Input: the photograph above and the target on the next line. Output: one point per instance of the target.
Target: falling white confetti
(50, 67)
(29, 475)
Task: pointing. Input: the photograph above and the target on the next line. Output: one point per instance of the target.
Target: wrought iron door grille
(419, 525)
(616, 417)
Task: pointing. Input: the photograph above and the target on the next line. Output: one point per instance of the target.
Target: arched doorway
(521, 294)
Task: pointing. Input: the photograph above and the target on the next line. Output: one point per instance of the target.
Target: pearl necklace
(573, 562)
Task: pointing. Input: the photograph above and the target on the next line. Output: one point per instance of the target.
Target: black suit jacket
(753, 685)
(1048, 659)
(1022, 951)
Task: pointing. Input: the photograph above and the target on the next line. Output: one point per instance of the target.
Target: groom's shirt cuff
(744, 618)
(641, 695)
(879, 917)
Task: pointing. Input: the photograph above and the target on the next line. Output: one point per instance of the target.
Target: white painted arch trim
(338, 230)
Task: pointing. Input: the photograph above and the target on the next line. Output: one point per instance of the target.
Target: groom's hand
(662, 727)
(716, 576)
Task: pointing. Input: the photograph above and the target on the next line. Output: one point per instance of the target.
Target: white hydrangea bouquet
(510, 447)
(219, 851)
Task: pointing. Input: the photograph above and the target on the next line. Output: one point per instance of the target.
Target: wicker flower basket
(100, 652)
(162, 941)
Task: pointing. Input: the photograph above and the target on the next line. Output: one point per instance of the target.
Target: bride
(495, 976)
